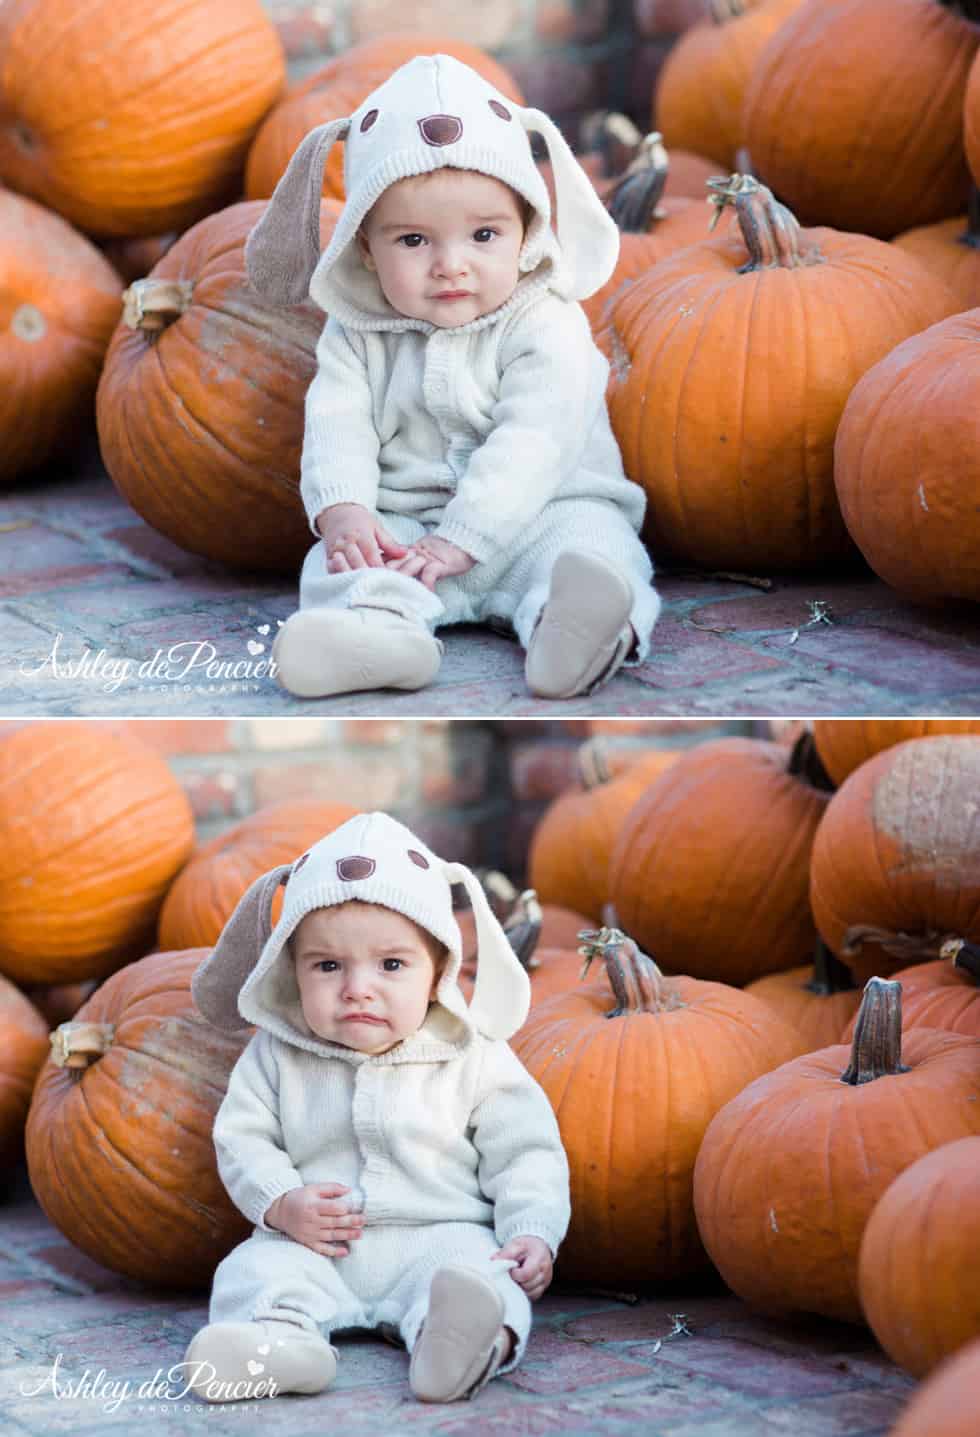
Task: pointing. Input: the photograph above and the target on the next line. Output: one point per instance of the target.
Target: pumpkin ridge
(187, 413)
(134, 1057)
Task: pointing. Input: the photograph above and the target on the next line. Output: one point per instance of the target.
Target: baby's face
(452, 231)
(365, 975)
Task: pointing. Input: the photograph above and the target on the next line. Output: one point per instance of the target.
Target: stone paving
(89, 595)
(686, 1363)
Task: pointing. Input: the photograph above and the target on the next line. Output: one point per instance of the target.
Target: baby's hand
(317, 1215)
(534, 1268)
(432, 559)
(354, 538)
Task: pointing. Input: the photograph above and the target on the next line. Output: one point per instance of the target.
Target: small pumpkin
(93, 828)
(944, 993)
(633, 1098)
(919, 1265)
(819, 1000)
(951, 250)
(791, 1169)
(23, 1049)
(59, 1002)
(844, 744)
(945, 1405)
(119, 1136)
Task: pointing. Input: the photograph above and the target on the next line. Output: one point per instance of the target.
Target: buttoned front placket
(366, 1113)
(439, 390)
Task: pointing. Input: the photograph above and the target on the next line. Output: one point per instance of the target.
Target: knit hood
(250, 976)
(433, 112)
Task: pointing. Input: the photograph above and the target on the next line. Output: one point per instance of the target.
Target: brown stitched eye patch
(419, 859)
(368, 120)
(355, 867)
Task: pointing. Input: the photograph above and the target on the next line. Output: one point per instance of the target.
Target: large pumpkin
(835, 106)
(919, 1266)
(59, 304)
(204, 895)
(133, 119)
(896, 863)
(844, 744)
(119, 1138)
(337, 89)
(818, 1000)
(711, 868)
(790, 1170)
(946, 1405)
(905, 463)
(730, 365)
(200, 406)
(93, 829)
(23, 1049)
(633, 1095)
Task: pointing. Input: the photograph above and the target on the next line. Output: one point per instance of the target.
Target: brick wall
(569, 56)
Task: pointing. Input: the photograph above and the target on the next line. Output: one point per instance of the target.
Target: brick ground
(75, 560)
(593, 1366)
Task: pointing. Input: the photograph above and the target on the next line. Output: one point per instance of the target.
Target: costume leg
(271, 1276)
(371, 588)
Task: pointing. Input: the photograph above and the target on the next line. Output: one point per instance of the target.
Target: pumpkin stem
(501, 893)
(523, 927)
(150, 305)
(965, 9)
(78, 1045)
(592, 761)
(877, 1048)
(971, 235)
(609, 916)
(721, 11)
(633, 202)
(964, 955)
(613, 137)
(635, 979)
(771, 232)
(804, 762)
(910, 947)
(830, 975)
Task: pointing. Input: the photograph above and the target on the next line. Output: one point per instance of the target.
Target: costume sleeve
(553, 379)
(252, 1160)
(340, 441)
(522, 1169)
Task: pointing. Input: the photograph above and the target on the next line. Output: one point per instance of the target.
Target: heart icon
(264, 1350)
(262, 629)
(255, 648)
(255, 1367)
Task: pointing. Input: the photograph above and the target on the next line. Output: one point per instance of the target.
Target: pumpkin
(651, 225)
(23, 1049)
(944, 993)
(134, 119)
(134, 258)
(710, 870)
(919, 1264)
(912, 511)
(568, 862)
(701, 84)
(551, 925)
(790, 1170)
(730, 365)
(200, 405)
(93, 828)
(971, 119)
(60, 1001)
(818, 1000)
(119, 1136)
(204, 895)
(896, 863)
(833, 114)
(945, 1405)
(951, 250)
(633, 1097)
(337, 89)
(844, 744)
(58, 307)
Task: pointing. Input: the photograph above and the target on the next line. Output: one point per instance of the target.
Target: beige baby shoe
(583, 634)
(247, 1357)
(462, 1342)
(340, 651)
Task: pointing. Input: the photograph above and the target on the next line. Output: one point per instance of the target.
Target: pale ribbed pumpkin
(844, 744)
(818, 1000)
(119, 1137)
(23, 1049)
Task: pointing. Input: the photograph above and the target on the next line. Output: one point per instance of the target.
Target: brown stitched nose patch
(441, 129)
(355, 867)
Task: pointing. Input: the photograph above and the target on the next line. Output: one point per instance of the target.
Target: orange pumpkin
(950, 249)
(59, 303)
(337, 89)
(59, 1002)
(119, 1137)
(203, 897)
(919, 1265)
(23, 1049)
(971, 118)
(133, 119)
(710, 870)
(896, 863)
(834, 107)
(790, 1171)
(844, 744)
(818, 1000)
(943, 994)
(200, 405)
(93, 828)
(905, 463)
(134, 258)
(946, 1405)
(631, 1158)
(728, 377)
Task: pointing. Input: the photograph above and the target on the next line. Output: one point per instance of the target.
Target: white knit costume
(448, 1144)
(493, 434)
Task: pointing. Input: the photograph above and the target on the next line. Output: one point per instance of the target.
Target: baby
(402, 1169)
(458, 461)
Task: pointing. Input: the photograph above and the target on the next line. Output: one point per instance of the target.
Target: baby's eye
(398, 962)
(327, 965)
(477, 233)
(405, 238)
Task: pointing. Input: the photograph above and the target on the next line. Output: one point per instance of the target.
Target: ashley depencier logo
(173, 1386)
(193, 663)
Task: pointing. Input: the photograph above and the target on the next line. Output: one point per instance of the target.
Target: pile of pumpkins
(730, 1090)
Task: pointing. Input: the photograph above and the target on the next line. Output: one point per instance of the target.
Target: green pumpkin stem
(523, 927)
(636, 981)
(830, 975)
(771, 232)
(877, 1048)
(634, 202)
(964, 955)
(79, 1045)
(151, 305)
(804, 762)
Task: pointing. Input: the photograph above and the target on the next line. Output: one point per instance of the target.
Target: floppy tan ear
(282, 250)
(217, 983)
